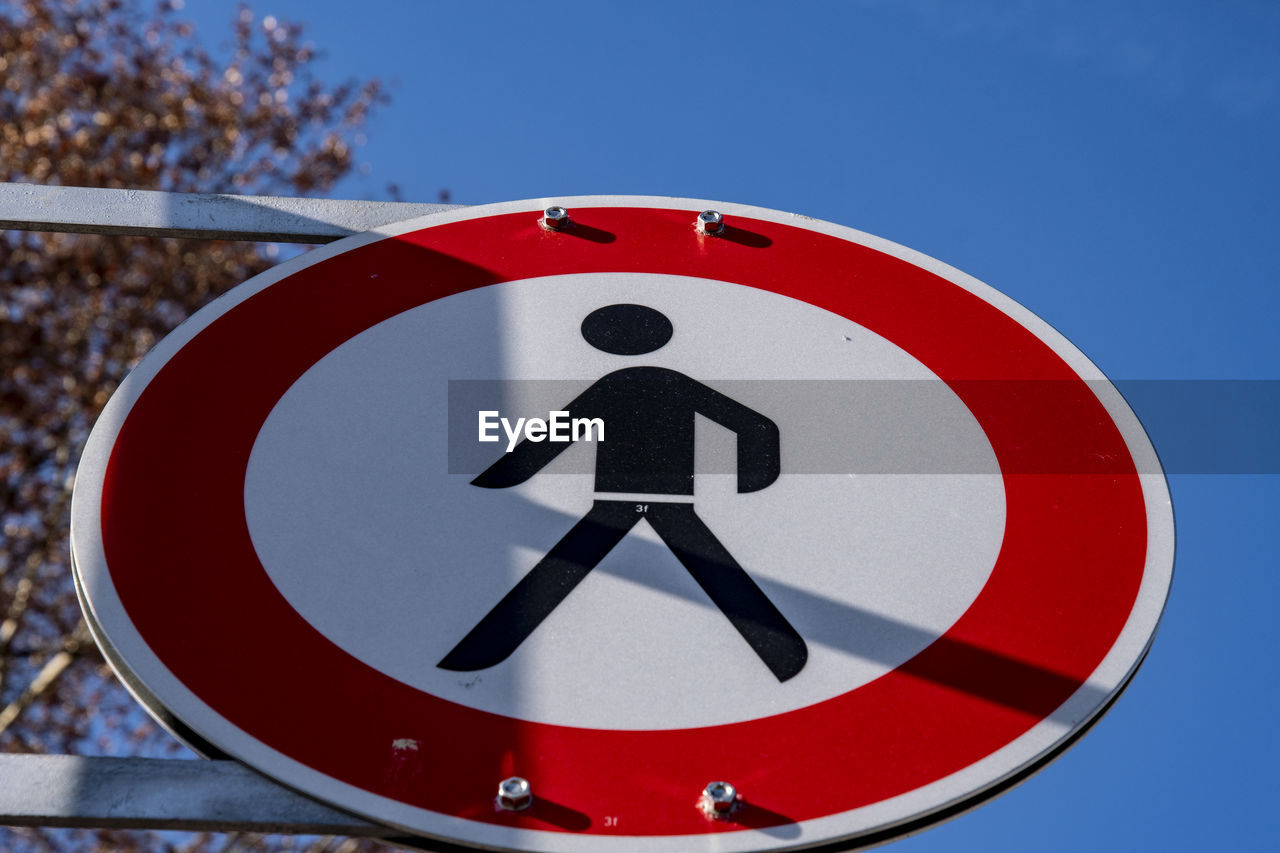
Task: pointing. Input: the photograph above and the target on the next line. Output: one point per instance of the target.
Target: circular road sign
(738, 532)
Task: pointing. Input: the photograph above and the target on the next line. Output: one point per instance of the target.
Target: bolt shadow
(752, 816)
(586, 232)
(743, 237)
(558, 815)
(541, 814)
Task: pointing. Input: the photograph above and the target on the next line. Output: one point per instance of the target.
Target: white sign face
(829, 501)
(369, 410)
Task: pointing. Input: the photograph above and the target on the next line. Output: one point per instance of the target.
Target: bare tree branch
(45, 677)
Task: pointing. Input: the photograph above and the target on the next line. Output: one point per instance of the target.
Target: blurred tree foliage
(100, 93)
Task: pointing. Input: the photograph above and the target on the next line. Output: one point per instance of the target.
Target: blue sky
(1112, 166)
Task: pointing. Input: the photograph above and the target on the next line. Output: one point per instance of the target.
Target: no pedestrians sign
(635, 524)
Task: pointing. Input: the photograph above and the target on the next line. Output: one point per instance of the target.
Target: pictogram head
(626, 329)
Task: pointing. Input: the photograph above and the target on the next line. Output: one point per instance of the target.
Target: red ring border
(181, 560)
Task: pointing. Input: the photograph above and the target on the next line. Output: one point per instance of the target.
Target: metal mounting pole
(159, 793)
(138, 793)
(30, 207)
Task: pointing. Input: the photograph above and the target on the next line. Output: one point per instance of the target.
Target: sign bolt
(514, 794)
(554, 218)
(710, 222)
(718, 799)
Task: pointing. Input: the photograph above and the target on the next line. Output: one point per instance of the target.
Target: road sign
(694, 532)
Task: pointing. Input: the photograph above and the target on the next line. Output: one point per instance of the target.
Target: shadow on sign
(956, 664)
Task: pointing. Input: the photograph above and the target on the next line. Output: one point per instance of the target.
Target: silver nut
(710, 222)
(719, 799)
(555, 218)
(514, 794)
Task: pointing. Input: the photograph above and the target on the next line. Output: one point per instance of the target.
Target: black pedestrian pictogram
(649, 414)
